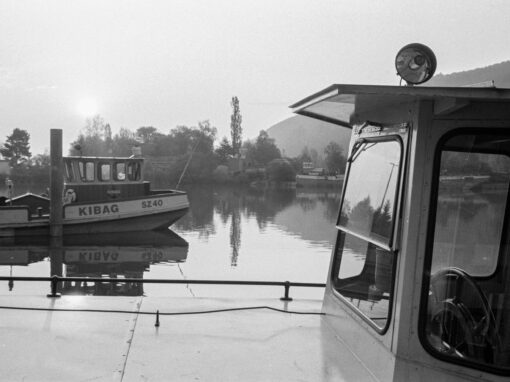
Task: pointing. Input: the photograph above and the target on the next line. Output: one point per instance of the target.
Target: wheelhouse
(103, 178)
(419, 281)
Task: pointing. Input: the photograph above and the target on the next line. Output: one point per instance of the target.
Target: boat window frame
(400, 135)
(69, 171)
(84, 172)
(134, 170)
(116, 171)
(429, 247)
(100, 165)
(386, 138)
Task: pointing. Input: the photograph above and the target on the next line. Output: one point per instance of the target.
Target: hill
(293, 134)
(499, 73)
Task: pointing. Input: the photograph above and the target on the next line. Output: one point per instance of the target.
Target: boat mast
(187, 163)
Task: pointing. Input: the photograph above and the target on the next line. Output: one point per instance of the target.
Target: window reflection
(120, 171)
(86, 171)
(365, 277)
(369, 198)
(468, 306)
(364, 264)
(105, 171)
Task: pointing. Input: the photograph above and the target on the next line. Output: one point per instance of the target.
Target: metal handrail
(55, 280)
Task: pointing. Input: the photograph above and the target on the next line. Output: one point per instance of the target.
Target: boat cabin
(103, 178)
(419, 280)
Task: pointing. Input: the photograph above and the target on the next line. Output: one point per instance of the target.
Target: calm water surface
(228, 234)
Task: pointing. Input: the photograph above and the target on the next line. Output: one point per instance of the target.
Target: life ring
(70, 196)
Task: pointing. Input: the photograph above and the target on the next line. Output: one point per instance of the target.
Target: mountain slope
(499, 73)
(293, 134)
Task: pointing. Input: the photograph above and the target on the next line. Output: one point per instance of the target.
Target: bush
(280, 170)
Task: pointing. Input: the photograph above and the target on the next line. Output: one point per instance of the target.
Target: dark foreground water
(228, 234)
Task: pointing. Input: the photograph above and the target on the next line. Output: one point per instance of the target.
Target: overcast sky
(167, 63)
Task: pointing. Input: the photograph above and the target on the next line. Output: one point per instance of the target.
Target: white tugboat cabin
(419, 281)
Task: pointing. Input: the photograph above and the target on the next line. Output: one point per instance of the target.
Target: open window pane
(364, 264)
(369, 199)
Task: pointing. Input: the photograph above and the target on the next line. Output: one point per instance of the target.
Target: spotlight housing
(415, 63)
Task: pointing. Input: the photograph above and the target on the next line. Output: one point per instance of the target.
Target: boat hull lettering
(105, 209)
(98, 256)
(152, 203)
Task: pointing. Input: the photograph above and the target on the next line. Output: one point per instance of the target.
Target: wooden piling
(56, 183)
(56, 252)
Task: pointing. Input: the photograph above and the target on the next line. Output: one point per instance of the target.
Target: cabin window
(69, 173)
(105, 172)
(466, 303)
(365, 260)
(86, 171)
(134, 171)
(120, 171)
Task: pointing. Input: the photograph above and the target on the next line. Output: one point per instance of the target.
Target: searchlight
(415, 63)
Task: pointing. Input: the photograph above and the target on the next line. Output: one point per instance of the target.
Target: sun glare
(87, 107)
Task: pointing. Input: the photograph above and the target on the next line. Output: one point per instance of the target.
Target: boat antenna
(187, 163)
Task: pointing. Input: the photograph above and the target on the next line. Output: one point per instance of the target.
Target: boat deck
(239, 345)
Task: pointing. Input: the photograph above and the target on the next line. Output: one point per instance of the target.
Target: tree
(41, 160)
(108, 139)
(305, 155)
(236, 130)
(95, 138)
(263, 151)
(280, 170)
(16, 147)
(315, 158)
(186, 139)
(335, 161)
(95, 127)
(224, 150)
(298, 161)
(123, 142)
(146, 133)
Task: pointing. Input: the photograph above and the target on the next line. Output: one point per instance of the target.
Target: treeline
(191, 153)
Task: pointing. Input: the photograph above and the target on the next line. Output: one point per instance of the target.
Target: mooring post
(56, 252)
(56, 183)
(54, 288)
(286, 297)
(157, 319)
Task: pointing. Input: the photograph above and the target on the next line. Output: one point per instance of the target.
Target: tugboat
(101, 195)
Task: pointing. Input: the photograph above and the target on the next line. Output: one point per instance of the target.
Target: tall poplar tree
(236, 131)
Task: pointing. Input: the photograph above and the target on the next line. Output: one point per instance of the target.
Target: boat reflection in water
(120, 255)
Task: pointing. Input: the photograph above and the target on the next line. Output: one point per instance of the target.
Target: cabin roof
(342, 104)
(29, 195)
